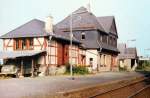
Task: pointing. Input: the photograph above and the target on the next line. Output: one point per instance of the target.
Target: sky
(132, 16)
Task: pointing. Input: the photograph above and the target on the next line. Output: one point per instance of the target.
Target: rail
(143, 93)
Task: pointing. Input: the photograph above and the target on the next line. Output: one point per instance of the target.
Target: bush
(80, 70)
(143, 66)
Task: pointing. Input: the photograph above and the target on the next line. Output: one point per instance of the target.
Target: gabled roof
(33, 28)
(64, 36)
(108, 23)
(82, 19)
(127, 52)
(130, 53)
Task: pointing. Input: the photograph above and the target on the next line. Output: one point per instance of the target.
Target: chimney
(88, 6)
(49, 24)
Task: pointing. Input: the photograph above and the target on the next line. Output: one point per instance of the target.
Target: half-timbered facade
(32, 37)
(39, 43)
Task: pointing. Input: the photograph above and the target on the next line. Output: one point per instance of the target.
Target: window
(91, 59)
(17, 44)
(114, 42)
(107, 40)
(23, 44)
(103, 38)
(91, 62)
(104, 60)
(83, 36)
(31, 43)
(110, 41)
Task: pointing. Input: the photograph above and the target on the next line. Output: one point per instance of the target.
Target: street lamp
(71, 36)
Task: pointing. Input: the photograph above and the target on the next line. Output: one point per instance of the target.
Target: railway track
(127, 88)
(143, 93)
(125, 91)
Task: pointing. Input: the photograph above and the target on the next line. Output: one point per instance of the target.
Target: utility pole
(71, 36)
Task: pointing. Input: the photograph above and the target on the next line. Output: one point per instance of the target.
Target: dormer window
(82, 35)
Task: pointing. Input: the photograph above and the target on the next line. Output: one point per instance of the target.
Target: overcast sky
(132, 16)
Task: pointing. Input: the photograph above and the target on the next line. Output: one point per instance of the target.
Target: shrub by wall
(80, 70)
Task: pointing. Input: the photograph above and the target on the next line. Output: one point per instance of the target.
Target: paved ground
(18, 88)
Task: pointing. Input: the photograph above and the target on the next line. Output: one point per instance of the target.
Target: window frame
(82, 35)
(24, 44)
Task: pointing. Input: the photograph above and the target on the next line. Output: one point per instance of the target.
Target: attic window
(91, 59)
(82, 35)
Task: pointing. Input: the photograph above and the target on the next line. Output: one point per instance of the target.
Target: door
(60, 54)
(66, 54)
(27, 65)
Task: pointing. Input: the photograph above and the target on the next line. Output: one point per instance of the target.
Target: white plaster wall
(126, 64)
(41, 39)
(36, 42)
(50, 51)
(9, 48)
(9, 43)
(92, 54)
(6, 41)
(38, 48)
(121, 64)
(74, 54)
(83, 52)
(106, 61)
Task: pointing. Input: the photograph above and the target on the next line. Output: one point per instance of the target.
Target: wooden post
(44, 60)
(22, 70)
(32, 70)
